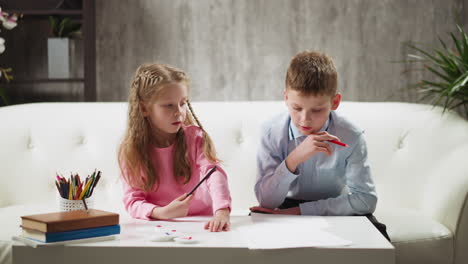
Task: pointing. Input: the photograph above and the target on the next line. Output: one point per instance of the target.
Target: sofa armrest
(445, 190)
(461, 235)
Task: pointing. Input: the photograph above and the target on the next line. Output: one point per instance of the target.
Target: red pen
(338, 143)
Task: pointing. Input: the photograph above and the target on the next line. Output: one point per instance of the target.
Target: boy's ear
(285, 94)
(336, 101)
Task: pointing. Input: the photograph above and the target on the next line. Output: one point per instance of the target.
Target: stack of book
(68, 226)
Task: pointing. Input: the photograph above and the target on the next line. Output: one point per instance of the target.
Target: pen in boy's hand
(204, 178)
(338, 143)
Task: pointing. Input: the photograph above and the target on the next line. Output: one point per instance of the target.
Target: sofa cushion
(416, 237)
(11, 222)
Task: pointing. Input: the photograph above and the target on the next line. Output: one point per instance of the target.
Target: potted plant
(63, 29)
(449, 69)
(8, 22)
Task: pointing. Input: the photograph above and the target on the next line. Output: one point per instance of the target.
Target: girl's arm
(135, 202)
(220, 221)
(217, 183)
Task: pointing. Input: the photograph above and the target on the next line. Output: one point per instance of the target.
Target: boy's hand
(313, 144)
(289, 211)
(220, 222)
(262, 210)
(179, 207)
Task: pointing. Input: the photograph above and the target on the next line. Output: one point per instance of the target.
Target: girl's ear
(336, 101)
(144, 109)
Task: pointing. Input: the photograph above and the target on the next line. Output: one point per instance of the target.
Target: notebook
(70, 235)
(71, 220)
(34, 243)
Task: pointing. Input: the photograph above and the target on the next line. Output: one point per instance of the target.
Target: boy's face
(309, 113)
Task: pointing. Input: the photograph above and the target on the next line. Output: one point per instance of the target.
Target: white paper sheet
(277, 231)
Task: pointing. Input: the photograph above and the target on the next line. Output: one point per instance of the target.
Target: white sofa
(418, 158)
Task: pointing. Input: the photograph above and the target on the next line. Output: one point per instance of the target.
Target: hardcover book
(67, 221)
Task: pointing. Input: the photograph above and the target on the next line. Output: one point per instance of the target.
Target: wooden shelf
(45, 12)
(39, 9)
(47, 80)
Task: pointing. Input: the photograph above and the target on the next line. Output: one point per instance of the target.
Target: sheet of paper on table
(280, 231)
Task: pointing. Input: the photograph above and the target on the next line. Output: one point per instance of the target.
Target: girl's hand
(313, 144)
(220, 222)
(177, 208)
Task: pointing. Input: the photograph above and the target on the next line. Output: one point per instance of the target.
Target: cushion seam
(422, 240)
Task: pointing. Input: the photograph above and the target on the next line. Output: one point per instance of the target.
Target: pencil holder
(72, 205)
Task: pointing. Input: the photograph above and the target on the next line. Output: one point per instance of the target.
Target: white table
(132, 246)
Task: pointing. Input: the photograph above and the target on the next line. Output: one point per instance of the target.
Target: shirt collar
(294, 132)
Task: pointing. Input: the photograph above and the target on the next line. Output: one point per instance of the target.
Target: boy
(300, 171)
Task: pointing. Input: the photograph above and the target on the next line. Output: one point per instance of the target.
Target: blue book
(47, 237)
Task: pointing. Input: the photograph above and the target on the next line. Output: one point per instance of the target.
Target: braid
(182, 169)
(138, 138)
(146, 78)
(194, 116)
(208, 147)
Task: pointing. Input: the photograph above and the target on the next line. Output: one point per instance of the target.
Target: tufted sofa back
(418, 157)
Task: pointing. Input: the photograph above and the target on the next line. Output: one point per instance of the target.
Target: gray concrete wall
(240, 49)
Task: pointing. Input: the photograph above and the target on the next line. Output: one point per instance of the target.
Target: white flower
(3, 16)
(2, 45)
(10, 24)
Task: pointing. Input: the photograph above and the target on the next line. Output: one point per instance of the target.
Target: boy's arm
(273, 177)
(359, 198)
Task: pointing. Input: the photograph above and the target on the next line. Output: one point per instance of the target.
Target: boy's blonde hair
(134, 152)
(312, 73)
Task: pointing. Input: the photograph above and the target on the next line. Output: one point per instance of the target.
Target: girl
(164, 155)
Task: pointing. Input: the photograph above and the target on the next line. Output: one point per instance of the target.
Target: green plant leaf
(449, 66)
(457, 44)
(63, 27)
(442, 42)
(54, 24)
(441, 86)
(3, 96)
(459, 83)
(439, 74)
(432, 58)
(464, 43)
(70, 28)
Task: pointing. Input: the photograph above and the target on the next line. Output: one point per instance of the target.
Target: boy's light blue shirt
(340, 184)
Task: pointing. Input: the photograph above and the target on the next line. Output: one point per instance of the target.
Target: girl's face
(167, 113)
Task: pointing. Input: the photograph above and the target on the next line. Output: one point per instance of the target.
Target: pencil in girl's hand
(204, 178)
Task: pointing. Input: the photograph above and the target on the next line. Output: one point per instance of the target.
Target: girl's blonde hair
(134, 155)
